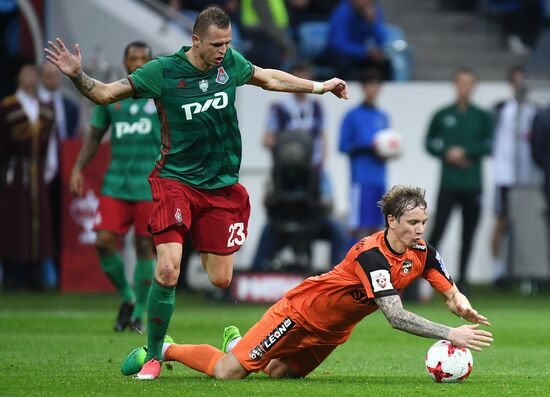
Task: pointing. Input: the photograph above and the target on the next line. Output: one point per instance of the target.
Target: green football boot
(229, 333)
(134, 361)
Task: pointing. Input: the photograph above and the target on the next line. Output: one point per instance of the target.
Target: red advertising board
(80, 268)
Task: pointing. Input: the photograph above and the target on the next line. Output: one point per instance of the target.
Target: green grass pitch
(63, 345)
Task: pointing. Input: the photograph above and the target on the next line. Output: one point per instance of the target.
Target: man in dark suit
(66, 127)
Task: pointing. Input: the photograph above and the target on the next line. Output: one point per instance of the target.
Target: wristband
(317, 88)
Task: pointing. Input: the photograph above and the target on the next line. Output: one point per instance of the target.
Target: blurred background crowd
(413, 67)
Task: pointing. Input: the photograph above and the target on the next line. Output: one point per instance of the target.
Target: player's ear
(195, 39)
(391, 221)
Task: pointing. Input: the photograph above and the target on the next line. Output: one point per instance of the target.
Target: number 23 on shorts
(236, 234)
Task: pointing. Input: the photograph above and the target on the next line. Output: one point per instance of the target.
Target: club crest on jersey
(134, 109)
(178, 215)
(406, 266)
(203, 85)
(381, 280)
(222, 76)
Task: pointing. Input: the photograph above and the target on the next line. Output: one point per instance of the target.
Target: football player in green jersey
(195, 181)
(125, 196)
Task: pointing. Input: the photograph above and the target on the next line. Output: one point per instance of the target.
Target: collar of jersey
(389, 246)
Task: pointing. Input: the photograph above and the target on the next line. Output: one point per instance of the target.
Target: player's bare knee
(229, 368)
(220, 280)
(105, 243)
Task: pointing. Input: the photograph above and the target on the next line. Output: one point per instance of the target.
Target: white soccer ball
(388, 143)
(447, 363)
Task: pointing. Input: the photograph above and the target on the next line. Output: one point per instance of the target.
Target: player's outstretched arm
(399, 318)
(70, 65)
(459, 305)
(277, 80)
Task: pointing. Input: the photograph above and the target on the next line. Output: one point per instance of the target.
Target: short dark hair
(369, 76)
(513, 70)
(460, 71)
(138, 44)
(211, 16)
(400, 199)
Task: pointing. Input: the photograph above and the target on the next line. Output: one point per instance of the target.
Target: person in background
(125, 199)
(301, 113)
(460, 135)
(67, 116)
(26, 124)
(356, 38)
(512, 161)
(265, 29)
(540, 149)
(368, 170)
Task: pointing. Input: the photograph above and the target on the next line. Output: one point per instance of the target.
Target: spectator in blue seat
(357, 34)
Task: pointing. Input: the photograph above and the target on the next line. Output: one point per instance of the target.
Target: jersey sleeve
(373, 270)
(245, 69)
(147, 80)
(435, 271)
(101, 118)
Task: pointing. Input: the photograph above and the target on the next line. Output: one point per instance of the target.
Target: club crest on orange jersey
(222, 76)
(406, 266)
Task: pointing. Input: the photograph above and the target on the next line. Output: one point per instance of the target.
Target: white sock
(232, 344)
(165, 347)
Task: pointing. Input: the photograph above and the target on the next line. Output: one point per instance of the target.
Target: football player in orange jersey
(299, 332)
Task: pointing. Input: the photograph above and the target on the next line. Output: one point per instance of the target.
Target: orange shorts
(277, 336)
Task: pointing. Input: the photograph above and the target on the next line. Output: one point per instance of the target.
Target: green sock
(143, 274)
(113, 267)
(160, 306)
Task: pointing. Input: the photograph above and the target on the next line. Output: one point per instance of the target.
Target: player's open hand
(76, 183)
(470, 314)
(337, 86)
(66, 61)
(471, 337)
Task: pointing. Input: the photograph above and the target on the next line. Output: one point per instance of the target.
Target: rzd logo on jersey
(219, 101)
(143, 126)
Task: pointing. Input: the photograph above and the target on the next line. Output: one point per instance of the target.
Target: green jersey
(201, 141)
(470, 129)
(135, 144)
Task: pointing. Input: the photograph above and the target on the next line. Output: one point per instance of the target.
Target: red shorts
(277, 336)
(117, 215)
(216, 220)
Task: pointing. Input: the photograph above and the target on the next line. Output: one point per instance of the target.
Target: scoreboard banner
(80, 269)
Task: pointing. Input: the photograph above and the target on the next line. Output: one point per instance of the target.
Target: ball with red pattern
(447, 363)
(388, 143)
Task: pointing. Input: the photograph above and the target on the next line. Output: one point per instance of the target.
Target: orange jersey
(333, 303)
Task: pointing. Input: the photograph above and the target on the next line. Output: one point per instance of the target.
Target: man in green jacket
(460, 135)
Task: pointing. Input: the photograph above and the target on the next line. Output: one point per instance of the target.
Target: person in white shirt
(513, 165)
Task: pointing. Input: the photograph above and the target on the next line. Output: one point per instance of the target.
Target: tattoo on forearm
(124, 81)
(83, 81)
(409, 322)
(291, 87)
